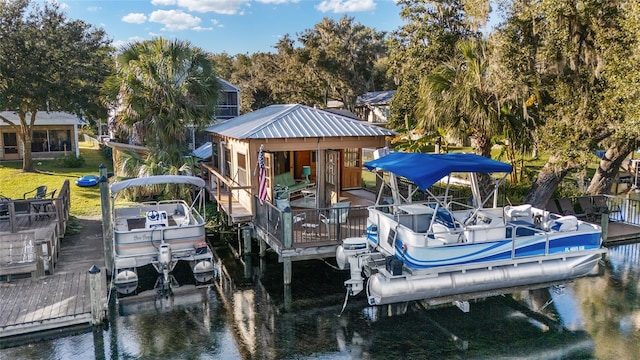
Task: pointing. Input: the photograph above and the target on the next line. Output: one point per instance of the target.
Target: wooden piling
(604, 223)
(107, 238)
(95, 293)
(246, 240)
(39, 258)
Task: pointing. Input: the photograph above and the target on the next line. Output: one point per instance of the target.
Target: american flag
(262, 194)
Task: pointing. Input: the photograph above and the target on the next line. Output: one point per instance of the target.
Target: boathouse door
(332, 177)
(351, 169)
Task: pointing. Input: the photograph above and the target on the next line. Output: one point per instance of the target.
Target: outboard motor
(348, 257)
(164, 261)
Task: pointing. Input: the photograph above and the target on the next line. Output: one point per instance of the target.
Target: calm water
(595, 317)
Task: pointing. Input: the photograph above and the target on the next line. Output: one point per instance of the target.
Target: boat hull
(386, 289)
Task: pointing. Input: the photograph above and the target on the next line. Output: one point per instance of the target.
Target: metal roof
(375, 98)
(226, 86)
(44, 118)
(204, 151)
(294, 121)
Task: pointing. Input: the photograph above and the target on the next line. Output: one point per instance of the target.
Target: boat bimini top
(427, 169)
(116, 187)
(156, 180)
(424, 170)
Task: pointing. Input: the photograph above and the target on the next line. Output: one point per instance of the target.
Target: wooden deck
(620, 233)
(52, 302)
(32, 307)
(236, 212)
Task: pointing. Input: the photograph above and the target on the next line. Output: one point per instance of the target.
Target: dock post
(95, 293)
(287, 233)
(107, 239)
(40, 258)
(246, 240)
(604, 223)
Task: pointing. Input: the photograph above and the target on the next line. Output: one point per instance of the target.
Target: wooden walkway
(32, 306)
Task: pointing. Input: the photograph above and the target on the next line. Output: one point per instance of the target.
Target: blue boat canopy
(427, 169)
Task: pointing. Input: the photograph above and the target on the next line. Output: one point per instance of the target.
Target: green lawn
(84, 201)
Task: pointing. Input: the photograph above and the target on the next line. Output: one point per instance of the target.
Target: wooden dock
(58, 301)
(52, 302)
(620, 233)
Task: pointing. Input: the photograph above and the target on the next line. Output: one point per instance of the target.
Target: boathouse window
(215, 158)
(330, 169)
(227, 162)
(241, 160)
(352, 158)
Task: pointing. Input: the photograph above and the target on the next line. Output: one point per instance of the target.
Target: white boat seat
(445, 234)
(519, 211)
(563, 223)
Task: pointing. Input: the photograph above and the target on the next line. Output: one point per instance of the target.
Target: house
(54, 133)
(299, 144)
(374, 106)
(228, 107)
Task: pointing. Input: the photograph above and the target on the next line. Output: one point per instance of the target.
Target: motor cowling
(349, 256)
(350, 248)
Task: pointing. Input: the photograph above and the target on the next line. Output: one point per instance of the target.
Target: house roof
(227, 86)
(294, 121)
(375, 98)
(44, 118)
(204, 151)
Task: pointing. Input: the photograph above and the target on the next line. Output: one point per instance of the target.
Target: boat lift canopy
(156, 180)
(427, 169)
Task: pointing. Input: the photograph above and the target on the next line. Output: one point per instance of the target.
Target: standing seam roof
(294, 121)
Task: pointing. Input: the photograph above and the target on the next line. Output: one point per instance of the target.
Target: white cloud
(216, 23)
(200, 28)
(163, 2)
(277, 2)
(341, 6)
(94, 8)
(61, 5)
(174, 20)
(134, 18)
(119, 44)
(227, 7)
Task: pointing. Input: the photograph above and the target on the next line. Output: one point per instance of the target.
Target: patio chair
(567, 207)
(552, 207)
(4, 207)
(602, 207)
(338, 216)
(44, 204)
(587, 208)
(38, 193)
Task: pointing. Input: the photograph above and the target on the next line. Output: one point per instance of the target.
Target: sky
(231, 26)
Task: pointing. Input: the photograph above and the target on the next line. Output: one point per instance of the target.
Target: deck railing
(20, 214)
(309, 227)
(225, 187)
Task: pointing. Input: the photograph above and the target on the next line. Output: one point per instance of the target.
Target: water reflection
(243, 316)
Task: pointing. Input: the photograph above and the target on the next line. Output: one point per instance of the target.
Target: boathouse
(312, 162)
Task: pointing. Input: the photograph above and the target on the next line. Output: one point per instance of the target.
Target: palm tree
(458, 96)
(161, 87)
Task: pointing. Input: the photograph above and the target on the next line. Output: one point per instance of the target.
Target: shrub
(106, 151)
(70, 161)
